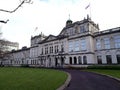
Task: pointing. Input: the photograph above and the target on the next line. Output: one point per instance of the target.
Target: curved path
(82, 80)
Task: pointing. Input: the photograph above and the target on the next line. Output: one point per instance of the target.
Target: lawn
(30, 79)
(114, 73)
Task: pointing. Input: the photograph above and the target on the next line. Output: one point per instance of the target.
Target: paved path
(90, 81)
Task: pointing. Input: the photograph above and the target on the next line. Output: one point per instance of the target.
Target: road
(82, 80)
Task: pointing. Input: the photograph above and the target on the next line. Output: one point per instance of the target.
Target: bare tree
(11, 11)
(2, 21)
(22, 2)
(4, 43)
(2, 49)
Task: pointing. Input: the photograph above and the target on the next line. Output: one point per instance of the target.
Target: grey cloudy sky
(50, 17)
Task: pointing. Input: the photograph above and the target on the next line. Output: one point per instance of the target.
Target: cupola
(69, 21)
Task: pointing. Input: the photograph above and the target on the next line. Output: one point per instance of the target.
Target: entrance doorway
(56, 62)
(75, 60)
(62, 60)
(70, 60)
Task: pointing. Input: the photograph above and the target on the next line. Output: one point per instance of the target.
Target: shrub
(24, 65)
(111, 67)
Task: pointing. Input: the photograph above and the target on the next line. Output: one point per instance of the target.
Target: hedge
(110, 67)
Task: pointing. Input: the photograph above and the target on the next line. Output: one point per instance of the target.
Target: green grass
(114, 73)
(30, 79)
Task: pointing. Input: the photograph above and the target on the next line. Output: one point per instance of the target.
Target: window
(71, 46)
(42, 51)
(83, 44)
(99, 59)
(76, 30)
(84, 60)
(51, 49)
(107, 43)
(82, 29)
(98, 44)
(46, 50)
(76, 45)
(56, 49)
(118, 58)
(109, 59)
(79, 60)
(71, 31)
(62, 48)
(117, 41)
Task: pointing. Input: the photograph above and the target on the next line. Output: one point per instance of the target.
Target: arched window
(70, 60)
(75, 60)
(84, 60)
(79, 60)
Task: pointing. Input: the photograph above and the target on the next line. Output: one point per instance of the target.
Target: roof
(88, 20)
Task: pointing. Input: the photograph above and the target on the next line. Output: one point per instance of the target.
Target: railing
(108, 31)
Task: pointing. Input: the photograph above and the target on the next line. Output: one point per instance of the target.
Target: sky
(50, 16)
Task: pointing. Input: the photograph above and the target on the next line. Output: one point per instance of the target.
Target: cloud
(50, 17)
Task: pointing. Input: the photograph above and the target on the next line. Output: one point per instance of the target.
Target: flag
(36, 29)
(87, 6)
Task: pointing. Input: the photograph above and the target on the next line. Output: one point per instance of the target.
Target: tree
(4, 21)
(11, 11)
(3, 43)
(2, 50)
(22, 2)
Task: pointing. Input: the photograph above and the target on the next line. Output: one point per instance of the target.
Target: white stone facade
(79, 44)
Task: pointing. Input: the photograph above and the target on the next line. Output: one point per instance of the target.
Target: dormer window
(76, 29)
(71, 31)
(82, 29)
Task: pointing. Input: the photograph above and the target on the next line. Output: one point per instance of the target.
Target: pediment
(50, 37)
(64, 32)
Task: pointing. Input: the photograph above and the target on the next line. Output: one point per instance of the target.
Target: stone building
(79, 44)
(17, 57)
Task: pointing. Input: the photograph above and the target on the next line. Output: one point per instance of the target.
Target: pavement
(81, 80)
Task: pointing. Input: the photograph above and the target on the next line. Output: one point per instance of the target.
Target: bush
(72, 67)
(24, 65)
(110, 67)
(1, 65)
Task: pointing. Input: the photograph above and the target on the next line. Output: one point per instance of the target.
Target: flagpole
(90, 11)
(89, 6)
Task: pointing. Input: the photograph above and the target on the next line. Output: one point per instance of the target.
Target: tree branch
(1, 21)
(24, 1)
